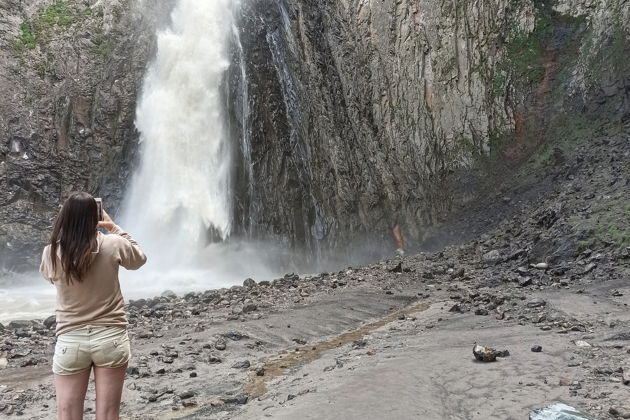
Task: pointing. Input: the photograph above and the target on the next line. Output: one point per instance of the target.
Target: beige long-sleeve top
(97, 300)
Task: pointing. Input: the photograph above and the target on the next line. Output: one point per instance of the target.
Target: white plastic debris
(541, 266)
(559, 411)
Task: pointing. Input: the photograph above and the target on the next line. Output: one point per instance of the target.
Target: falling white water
(182, 187)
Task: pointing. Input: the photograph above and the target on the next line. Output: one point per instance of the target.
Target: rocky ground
(542, 270)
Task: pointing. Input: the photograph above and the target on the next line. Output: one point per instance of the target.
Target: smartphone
(99, 206)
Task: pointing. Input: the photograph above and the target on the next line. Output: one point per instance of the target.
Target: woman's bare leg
(71, 391)
(109, 384)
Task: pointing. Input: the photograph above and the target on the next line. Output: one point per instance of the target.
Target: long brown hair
(74, 232)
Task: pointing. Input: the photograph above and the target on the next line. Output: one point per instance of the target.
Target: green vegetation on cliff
(57, 16)
(26, 38)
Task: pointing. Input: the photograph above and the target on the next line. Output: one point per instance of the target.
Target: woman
(83, 264)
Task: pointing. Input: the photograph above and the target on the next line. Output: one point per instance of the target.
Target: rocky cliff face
(362, 111)
(69, 78)
(352, 115)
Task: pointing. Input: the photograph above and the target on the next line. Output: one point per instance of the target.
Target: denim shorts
(77, 350)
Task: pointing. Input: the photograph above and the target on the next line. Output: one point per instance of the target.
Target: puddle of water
(289, 359)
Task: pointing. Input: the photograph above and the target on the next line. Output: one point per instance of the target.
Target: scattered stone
(536, 303)
(220, 344)
(189, 403)
(582, 343)
(589, 268)
(620, 412)
(250, 307)
(238, 399)
(50, 322)
(397, 268)
(137, 303)
(193, 374)
(565, 382)
(604, 370)
(492, 257)
(299, 341)
(537, 349)
(241, 365)
(21, 324)
(524, 282)
(22, 333)
(234, 335)
(23, 352)
(371, 352)
(249, 283)
(625, 375)
(481, 311)
(503, 353)
(169, 294)
(29, 362)
(456, 308)
(186, 394)
(617, 293)
(260, 371)
(359, 344)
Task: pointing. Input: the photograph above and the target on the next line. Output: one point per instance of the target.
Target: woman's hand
(107, 222)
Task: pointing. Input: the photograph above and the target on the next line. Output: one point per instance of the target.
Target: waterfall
(180, 194)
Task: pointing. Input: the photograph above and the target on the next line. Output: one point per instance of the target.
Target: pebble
(536, 303)
(238, 399)
(250, 307)
(220, 344)
(14, 325)
(492, 257)
(186, 394)
(169, 294)
(620, 412)
(50, 322)
(234, 335)
(537, 349)
(249, 283)
(241, 365)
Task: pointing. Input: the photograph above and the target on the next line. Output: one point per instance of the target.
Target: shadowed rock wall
(69, 78)
(362, 111)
